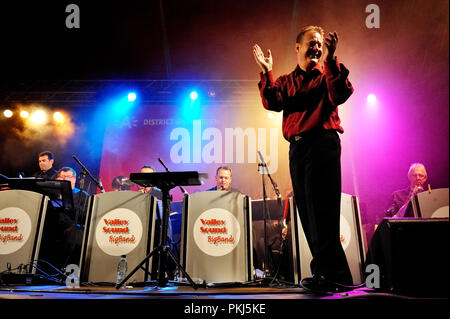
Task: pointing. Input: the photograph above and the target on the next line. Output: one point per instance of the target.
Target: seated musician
(417, 176)
(47, 171)
(154, 191)
(223, 180)
(63, 230)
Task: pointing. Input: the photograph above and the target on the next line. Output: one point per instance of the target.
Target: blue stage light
(131, 96)
(193, 95)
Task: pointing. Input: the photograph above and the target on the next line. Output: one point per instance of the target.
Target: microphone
(275, 186)
(417, 189)
(100, 185)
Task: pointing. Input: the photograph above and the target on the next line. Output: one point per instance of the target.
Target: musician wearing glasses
(71, 225)
(417, 176)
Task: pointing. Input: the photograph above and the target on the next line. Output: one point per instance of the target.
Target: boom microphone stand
(85, 171)
(263, 164)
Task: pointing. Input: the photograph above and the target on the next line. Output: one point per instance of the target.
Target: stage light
(24, 114)
(270, 115)
(39, 117)
(371, 98)
(7, 113)
(131, 96)
(193, 95)
(58, 117)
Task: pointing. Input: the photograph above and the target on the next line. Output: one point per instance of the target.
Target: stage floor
(207, 302)
(175, 291)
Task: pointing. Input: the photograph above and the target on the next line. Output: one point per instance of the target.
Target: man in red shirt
(308, 98)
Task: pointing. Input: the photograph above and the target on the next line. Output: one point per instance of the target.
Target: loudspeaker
(118, 223)
(351, 240)
(411, 256)
(216, 237)
(22, 217)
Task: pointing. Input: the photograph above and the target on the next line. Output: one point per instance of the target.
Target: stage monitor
(411, 254)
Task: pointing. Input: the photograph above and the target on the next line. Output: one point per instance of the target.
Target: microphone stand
(265, 210)
(275, 186)
(185, 194)
(85, 171)
(266, 270)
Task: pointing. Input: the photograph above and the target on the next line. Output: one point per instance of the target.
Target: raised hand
(331, 43)
(264, 62)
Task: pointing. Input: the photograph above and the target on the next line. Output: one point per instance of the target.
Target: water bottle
(122, 269)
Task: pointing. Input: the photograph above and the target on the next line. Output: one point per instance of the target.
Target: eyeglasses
(66, 176)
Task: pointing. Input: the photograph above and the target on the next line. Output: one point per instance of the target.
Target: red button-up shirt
(308, 100)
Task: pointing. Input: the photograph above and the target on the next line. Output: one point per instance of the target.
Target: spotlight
(270, 115)
(24, 114)
(193, 95)
(371, 98)
(39, 117)
(58, 117)
(131, 96)
(7, 113)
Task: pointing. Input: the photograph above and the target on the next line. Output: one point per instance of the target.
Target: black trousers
(315, 167)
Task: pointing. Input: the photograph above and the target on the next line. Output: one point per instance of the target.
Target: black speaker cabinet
(411, 254)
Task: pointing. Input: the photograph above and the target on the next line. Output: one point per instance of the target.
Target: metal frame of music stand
(165, 182)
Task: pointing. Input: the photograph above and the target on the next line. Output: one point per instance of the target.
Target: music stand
(57, 190)
(165, 182)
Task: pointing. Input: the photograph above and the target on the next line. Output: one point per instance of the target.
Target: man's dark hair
(49, 155)
(307, 29)
(148, 166)
(226, 168)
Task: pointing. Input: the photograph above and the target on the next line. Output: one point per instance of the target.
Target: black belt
(313, 132)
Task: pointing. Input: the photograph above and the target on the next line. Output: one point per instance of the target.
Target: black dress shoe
(320, 285)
